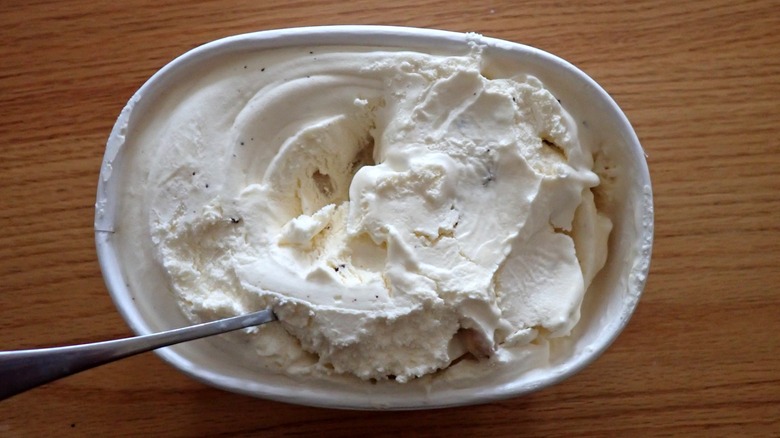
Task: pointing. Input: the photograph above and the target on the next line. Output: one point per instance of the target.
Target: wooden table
(700, 82)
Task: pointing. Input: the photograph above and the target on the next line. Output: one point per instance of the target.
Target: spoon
(25, 369)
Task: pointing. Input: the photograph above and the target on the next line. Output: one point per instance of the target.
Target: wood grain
(699, 80)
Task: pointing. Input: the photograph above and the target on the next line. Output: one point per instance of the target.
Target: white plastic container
(608, 304)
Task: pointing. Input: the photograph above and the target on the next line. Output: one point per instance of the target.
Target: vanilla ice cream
(401, 212)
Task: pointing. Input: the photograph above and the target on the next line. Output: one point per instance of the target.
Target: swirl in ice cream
(398, 210)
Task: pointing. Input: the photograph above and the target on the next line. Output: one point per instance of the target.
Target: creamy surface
(398, 210)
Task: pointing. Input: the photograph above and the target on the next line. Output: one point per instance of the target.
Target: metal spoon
(25, 369)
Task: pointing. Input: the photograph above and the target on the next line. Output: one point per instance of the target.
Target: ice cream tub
(437, 219)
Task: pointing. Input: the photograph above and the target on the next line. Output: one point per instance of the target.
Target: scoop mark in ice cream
(554, 148)
(323, 183)
(402, 213)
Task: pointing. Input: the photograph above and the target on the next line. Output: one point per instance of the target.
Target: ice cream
(400, 211)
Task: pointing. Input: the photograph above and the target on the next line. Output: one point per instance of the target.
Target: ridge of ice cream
(398, 210)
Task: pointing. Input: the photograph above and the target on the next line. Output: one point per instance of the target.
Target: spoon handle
(25, 369)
